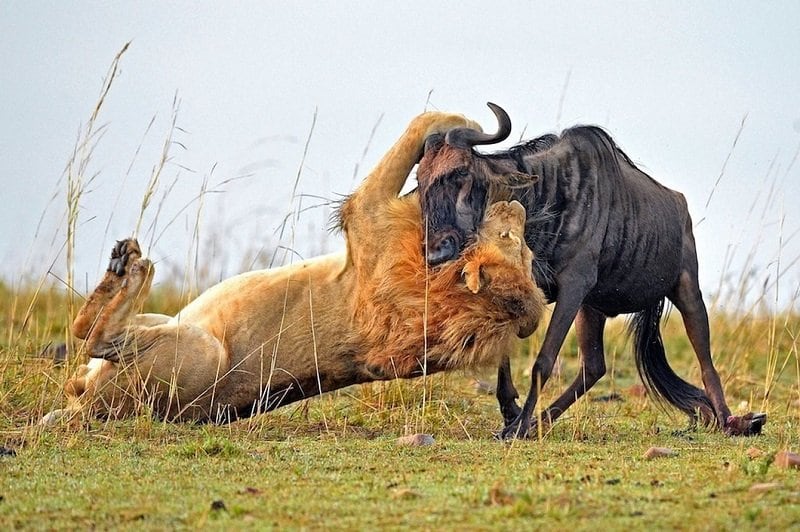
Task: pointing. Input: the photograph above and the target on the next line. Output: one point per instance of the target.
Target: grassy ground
(333, 462)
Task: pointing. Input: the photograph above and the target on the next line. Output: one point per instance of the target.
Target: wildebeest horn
(466, 138)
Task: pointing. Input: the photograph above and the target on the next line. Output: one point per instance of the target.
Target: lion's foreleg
(81, 391)
(388, 177)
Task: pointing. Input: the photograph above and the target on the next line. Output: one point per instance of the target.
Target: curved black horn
(463, 137)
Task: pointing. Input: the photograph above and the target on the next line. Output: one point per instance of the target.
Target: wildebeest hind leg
(688, 299)
(589, 326)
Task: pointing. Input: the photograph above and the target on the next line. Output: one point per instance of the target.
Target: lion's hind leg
(121, 255)
(103, 321)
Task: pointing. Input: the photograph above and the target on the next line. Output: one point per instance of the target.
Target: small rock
(637, 390)
(499, 496)
(658, 452)
(416, 440)
(5, 451)
(218, 506)
(787, 459)
(55, 352)
(764, 487)
(754, 452)
(608, 398)
(404, 494)
(482, 387)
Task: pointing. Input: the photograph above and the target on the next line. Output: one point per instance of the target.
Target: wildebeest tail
(658, 377)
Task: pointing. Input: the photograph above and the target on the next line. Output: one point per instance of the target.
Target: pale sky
(671, 81)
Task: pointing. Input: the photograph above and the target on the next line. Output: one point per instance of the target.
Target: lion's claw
(119, 249)
(121, 254)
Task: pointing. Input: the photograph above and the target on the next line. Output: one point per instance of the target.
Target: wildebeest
(266, 338)
(607, 240)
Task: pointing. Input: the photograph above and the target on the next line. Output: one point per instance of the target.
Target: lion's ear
(472, 276)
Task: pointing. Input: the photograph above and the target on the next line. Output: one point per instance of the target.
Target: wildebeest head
(456, 183)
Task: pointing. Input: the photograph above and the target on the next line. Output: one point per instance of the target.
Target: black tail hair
(651, 361)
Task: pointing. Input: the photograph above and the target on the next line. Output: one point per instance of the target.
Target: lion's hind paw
(122, 253)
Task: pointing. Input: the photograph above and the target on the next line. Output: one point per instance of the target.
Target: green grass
(332, 462)
(357, 482)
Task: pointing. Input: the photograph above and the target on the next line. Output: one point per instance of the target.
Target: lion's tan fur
(266, 338)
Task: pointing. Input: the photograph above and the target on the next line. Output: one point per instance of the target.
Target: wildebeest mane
(590, 138)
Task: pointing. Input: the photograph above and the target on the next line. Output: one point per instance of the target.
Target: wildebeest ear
(433, 144)
(515, 179)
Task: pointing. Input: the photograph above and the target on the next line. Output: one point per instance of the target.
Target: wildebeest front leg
(589, 326)
(564, 313)
(506, 393)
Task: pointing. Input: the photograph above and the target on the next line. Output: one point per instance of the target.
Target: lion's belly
(278, 327)
(261, 299)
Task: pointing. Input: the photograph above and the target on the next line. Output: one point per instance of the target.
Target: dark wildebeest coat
(607, 240)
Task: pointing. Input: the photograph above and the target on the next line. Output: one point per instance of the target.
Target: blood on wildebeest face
(455, 183)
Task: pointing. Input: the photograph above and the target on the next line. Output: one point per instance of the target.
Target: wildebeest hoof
(511, 412)
(518, 429)
(121, 254)
(749, 424)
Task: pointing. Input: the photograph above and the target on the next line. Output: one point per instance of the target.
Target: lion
(266, 338)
